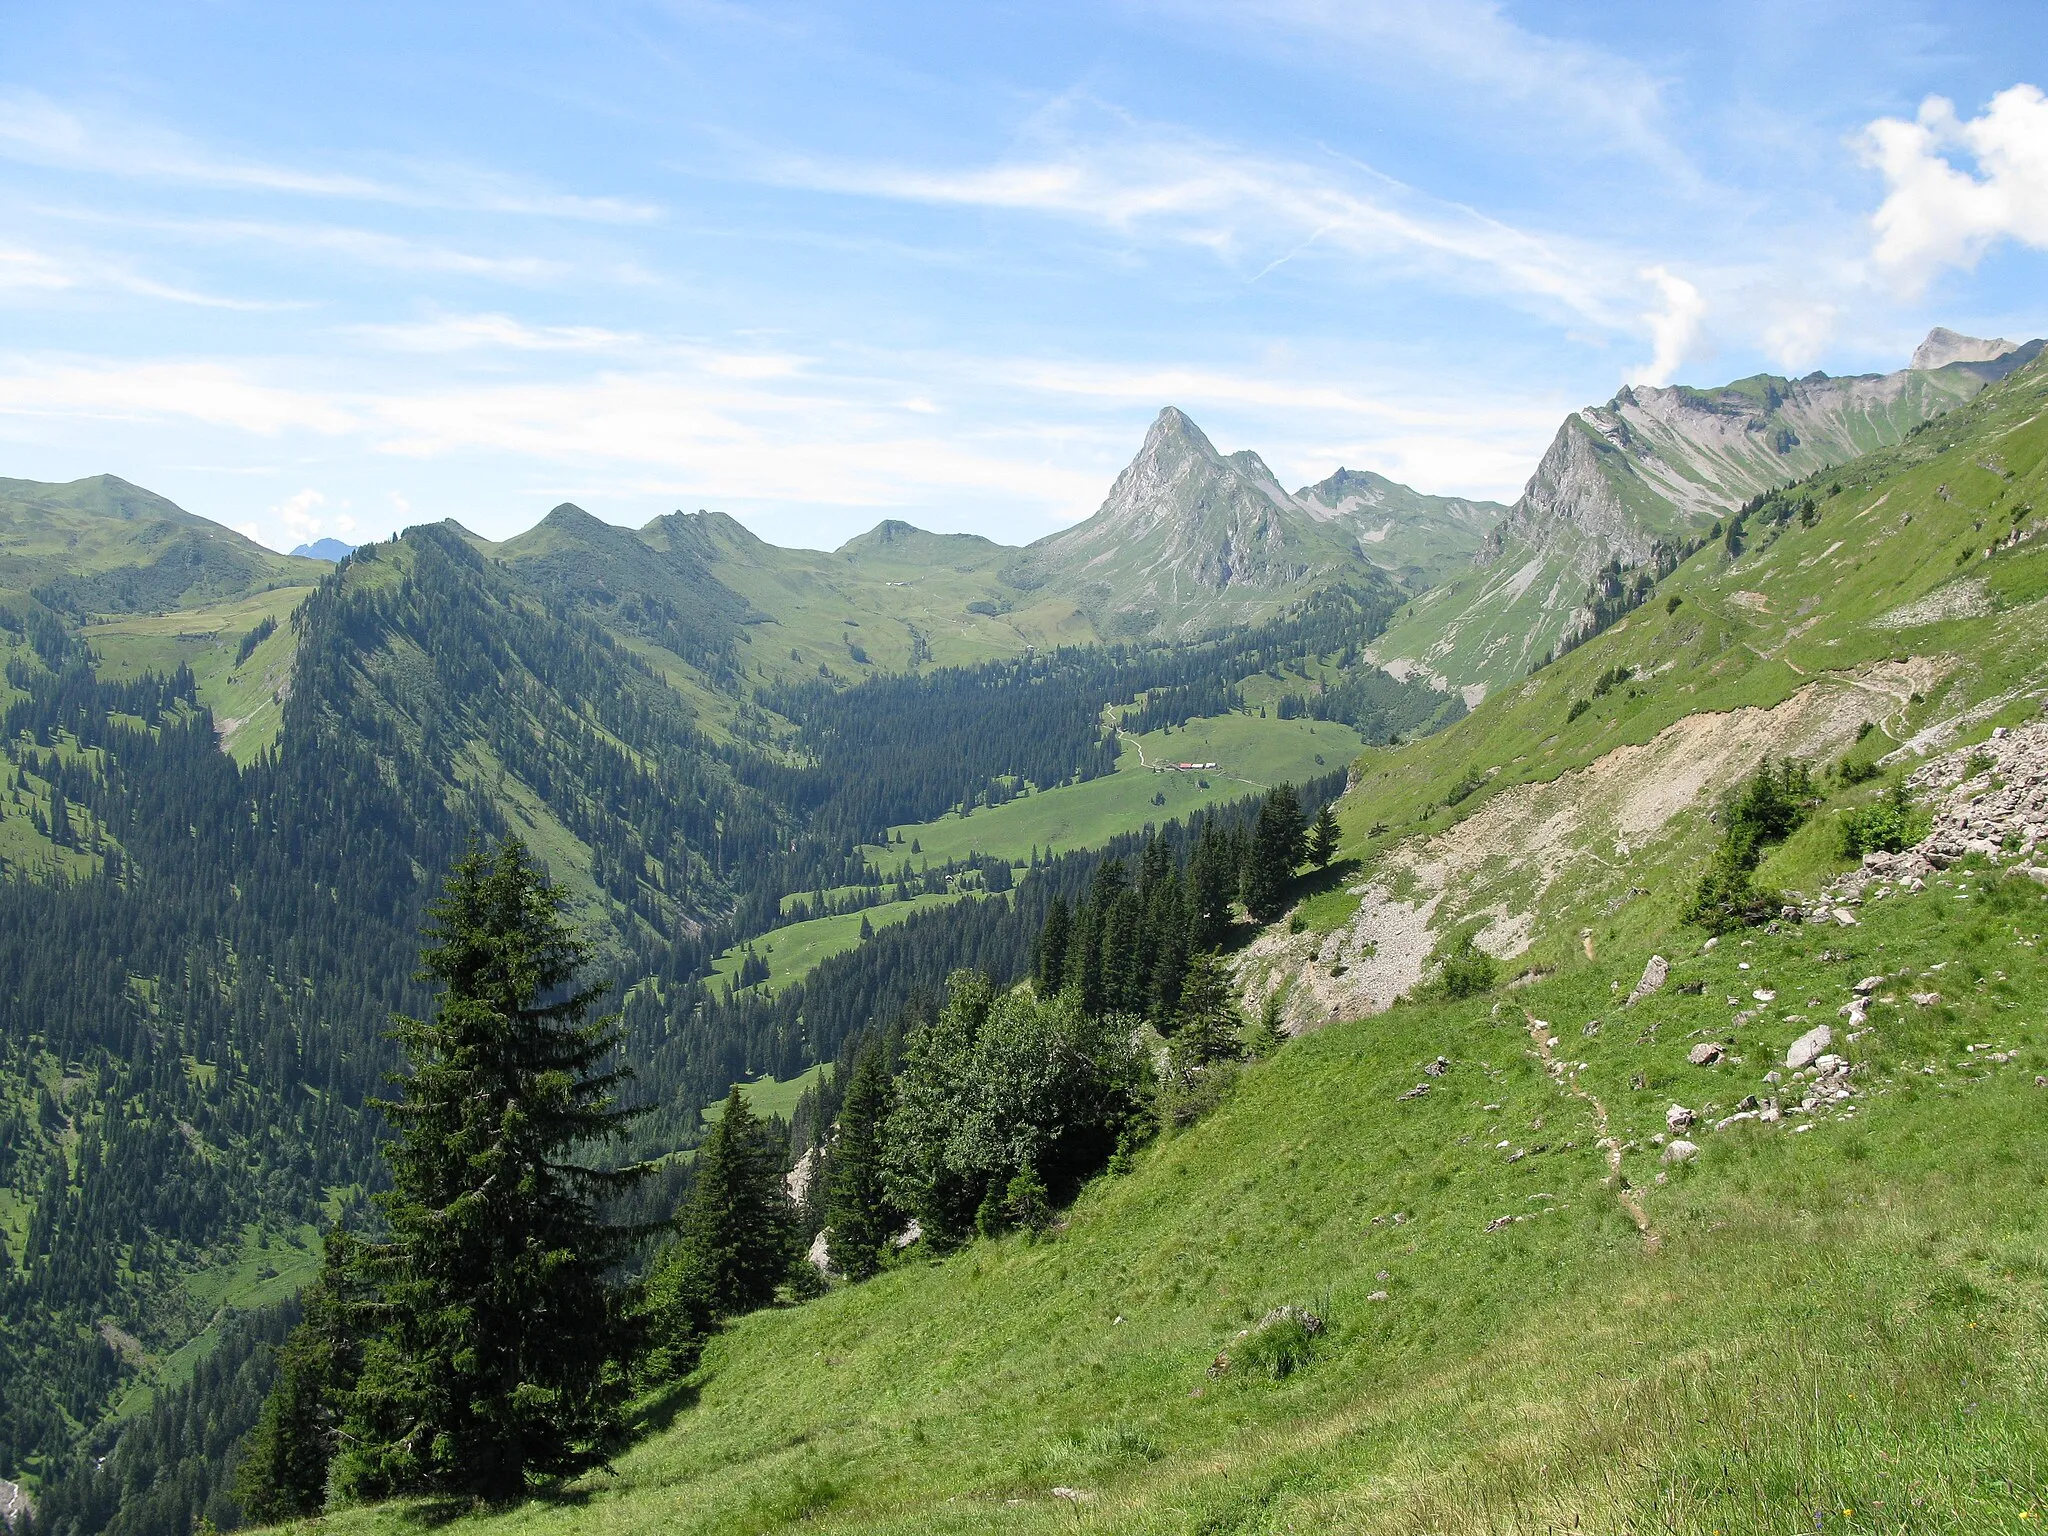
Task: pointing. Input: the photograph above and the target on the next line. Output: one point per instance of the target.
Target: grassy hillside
(1535, 1321)
(101, 545)
(1843, 1318)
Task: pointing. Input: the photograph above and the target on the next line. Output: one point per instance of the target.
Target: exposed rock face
(1655, 974)
(1944, 346)
(1182, 525)
(1189, 537)
(1658, 466)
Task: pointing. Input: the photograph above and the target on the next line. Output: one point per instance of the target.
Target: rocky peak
(1944, 346)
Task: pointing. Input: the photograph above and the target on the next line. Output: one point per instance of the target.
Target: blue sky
(334, 270)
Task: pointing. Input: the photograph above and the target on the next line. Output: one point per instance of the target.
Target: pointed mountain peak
(1173, 430)
(1944, 346)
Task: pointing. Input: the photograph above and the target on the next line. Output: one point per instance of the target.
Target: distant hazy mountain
(1943, 346)
(1190, 538)
(325, 549)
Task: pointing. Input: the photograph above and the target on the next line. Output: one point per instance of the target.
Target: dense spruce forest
(201, 1009)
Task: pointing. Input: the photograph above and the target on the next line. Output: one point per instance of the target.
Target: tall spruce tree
(495, 1360)
(1322, 840)
(1212, 884)
(1275, 853)
(739, 1236)
(1211, 1028)
(284, 1466)
(1049, 955)
(860, 1216)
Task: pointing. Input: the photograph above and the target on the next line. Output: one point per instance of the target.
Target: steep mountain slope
(1602, 1248)
(1624, 486)
(1420, 539)
(1191, 539)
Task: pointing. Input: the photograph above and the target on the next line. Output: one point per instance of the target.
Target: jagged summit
(1189, 536)
(1944, 346)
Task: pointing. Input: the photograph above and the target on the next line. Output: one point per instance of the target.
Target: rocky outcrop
(1190, 537)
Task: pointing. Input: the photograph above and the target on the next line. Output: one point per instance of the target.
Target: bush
(1463, 970)
(1579, 707)
(1889, 825)
(1767, 808)
(1190, 1095)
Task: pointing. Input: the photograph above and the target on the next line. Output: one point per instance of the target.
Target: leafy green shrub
(1889, 825)
(1856, 773)
(1465, 788)
(1767, 808)
(1186, 1097)
(1026, 1204)
(1579, 707)
(1463, 970)
(1979, 763)
(1611, 679)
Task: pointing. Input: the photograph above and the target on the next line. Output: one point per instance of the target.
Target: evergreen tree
(739, 1235)
(1168, 921)
(1049, 958)
(284, 1467)
(1212, 882)
(1124, 982)
(1322, 841)
(860, 1217)
(1211, 1028)
(1275, 853)
(494, 1363)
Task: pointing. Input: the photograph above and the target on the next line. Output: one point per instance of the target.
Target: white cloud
(1146, 181)
(1941, 213)
(214, 393)
(463, 333)
(1673, 326)
(1595, 93)
(38, 131)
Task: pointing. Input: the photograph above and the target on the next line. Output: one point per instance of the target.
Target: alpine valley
(1494, 1202)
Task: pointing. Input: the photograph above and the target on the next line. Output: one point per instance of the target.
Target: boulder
(1705, 1054)
(1809, 1046)
(1655, 974)
(1681, 1151)
(1678, 1117)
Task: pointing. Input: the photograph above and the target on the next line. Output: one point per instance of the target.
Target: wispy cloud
(1148, 182)
(1153, 181)
(36, 131)
(26, 271)
(471, 333)
(1938, 213)
(1470, 48)
(217, 394)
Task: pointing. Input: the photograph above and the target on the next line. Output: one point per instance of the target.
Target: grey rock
(1808, 1047)
(1680, 1151)
(1655, 974)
